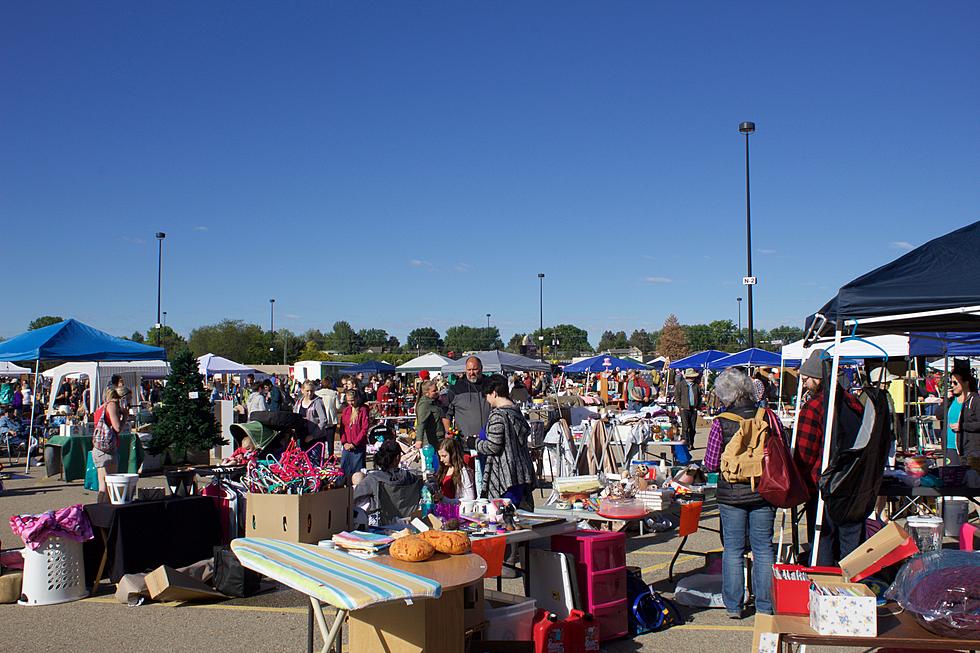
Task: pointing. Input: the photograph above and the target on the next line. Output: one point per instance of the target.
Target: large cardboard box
(844, 615)
(167, 584)
(886, 547)
(301, 518)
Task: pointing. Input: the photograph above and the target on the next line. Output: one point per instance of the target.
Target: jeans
(689, 420)
(351, 462)
(836, 540)
(758, 520)
(634, 406)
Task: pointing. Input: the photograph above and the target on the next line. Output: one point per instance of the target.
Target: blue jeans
(634, 406)
(351, 462)
(758, 521)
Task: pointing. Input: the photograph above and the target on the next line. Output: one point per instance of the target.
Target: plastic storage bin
(597, 550)
(510, 617)
(607, 586)
(53, 573)
(613, 620)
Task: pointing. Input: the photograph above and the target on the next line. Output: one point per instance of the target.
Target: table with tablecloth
(75, 448)
(140, 536)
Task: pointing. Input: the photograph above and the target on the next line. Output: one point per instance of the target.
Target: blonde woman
(109, 421)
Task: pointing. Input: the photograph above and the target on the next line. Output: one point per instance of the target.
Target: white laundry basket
(54, 573)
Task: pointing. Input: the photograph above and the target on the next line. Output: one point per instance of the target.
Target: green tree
(43, 321)
(424, 339)
(673, 341)
(137, 337)
(316, 336)
(167, 338)
(466, 338)
(613, 340)
(642, 341)
(786, 334)
(373, 337)
(392, 343)
(343, 339)
(185, 420)
(572, 339)
(514, 344)
(234, 339)
(311, 352)
(699, 337)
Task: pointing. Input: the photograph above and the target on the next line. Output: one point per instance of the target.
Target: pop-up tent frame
(933, 288)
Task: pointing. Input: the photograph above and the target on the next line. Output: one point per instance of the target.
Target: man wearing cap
(687, 396)
(836, 540)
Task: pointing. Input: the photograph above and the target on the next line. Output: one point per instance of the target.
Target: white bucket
(927, 532)
(121, 488)
(955, 512)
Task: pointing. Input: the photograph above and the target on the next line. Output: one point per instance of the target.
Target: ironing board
(328, 576)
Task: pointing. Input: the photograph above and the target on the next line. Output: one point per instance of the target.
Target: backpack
(743, 458)
(782, 484)
(103, 437)
(649, 611)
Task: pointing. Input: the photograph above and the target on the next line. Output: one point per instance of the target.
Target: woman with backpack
(109, 421)
(313, 411)
(736, 446)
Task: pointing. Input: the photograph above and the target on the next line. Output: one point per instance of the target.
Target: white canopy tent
(211, 364)
(10, 369)
(431, 362)
(894, 346)
(132, 372)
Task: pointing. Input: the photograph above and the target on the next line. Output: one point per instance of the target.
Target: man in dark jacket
(429, 426)
(687, 396)
(467, 406)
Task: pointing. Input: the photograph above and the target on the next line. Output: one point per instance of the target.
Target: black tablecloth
(141, 536)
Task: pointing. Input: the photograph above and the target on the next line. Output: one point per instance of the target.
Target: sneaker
(734, 615)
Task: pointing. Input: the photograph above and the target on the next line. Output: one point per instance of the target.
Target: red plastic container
(613, 620)
(583, 632)
(550, 634)
(606, 586)
(596, 550)
(793, 596)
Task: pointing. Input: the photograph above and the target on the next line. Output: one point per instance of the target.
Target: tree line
(251, 343)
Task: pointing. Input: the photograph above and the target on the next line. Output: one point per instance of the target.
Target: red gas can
(550, 634)
(583, 632)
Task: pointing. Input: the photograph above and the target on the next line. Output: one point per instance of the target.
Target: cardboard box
(10, 586)
(300, 518)
(855, 616)
(793, 596)
(167, 584)
(886, 547)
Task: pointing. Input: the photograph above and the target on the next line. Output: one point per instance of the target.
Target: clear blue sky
(400, 164)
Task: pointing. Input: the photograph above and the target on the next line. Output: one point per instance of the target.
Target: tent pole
(945, 416)
(827, 434)
(795, 539)
(30, 431)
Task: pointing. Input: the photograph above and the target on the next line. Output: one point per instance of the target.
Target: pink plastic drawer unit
(613, 620)
(604, 587)
(596, 550)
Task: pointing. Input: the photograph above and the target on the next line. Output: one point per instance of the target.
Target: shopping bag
(91, 474)
(230, 577)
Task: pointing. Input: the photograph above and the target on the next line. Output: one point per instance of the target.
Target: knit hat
(424, 375)
(813, 365)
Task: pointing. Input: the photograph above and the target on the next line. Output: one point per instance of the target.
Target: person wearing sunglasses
(963, 418)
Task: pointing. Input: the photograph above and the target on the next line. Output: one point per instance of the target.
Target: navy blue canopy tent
(754, 357)
(933, 288)
(73, 341)
(371, 367)
(699, 360)
(603, 363)
(944, 344)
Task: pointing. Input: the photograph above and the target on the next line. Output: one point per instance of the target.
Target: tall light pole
(541, 314)
(160, 237)
(488, 321)
(272, 325)
(739, 300)
(748, 128)
(165, 318)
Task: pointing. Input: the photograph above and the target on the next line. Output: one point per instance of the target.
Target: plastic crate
(510, 617)
(605, 587)
(613, 620)
(597, 550)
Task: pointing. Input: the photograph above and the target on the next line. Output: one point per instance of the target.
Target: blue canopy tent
(699, 360)
(754, 357)
(371, 367)
(944, 344)
(603, 363)
(71, 341)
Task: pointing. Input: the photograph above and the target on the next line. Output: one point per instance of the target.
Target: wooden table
(896, 629)
(425, 626)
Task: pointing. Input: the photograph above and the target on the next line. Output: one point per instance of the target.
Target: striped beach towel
(334, 577)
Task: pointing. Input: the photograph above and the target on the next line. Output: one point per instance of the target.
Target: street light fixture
(739, 300)
(160, 237)
(488, 321)
(748, 128)
(165, 318)
(541, 312)
(272, 324)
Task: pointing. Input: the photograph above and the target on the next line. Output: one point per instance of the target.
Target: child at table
(456, 479)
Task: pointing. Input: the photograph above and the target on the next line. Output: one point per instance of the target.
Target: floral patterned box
(856, 616)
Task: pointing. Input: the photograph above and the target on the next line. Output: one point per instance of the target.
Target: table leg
(309, 628)
(526, 572)
(677, 554)
(102, 562)
(329, 634)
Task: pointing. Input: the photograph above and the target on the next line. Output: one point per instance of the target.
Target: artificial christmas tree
(185, 420)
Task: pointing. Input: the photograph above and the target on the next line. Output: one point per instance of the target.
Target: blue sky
(400, 164)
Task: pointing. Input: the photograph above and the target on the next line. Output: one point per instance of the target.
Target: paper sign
(192, 395)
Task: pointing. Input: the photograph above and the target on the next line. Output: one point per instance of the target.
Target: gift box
(843, 614)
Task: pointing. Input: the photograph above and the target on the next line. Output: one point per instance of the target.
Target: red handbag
(781, 483)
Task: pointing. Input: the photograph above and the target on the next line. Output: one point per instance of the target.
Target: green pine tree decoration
(185, 420)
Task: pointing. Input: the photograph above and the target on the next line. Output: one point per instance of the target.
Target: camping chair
(397, 501)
